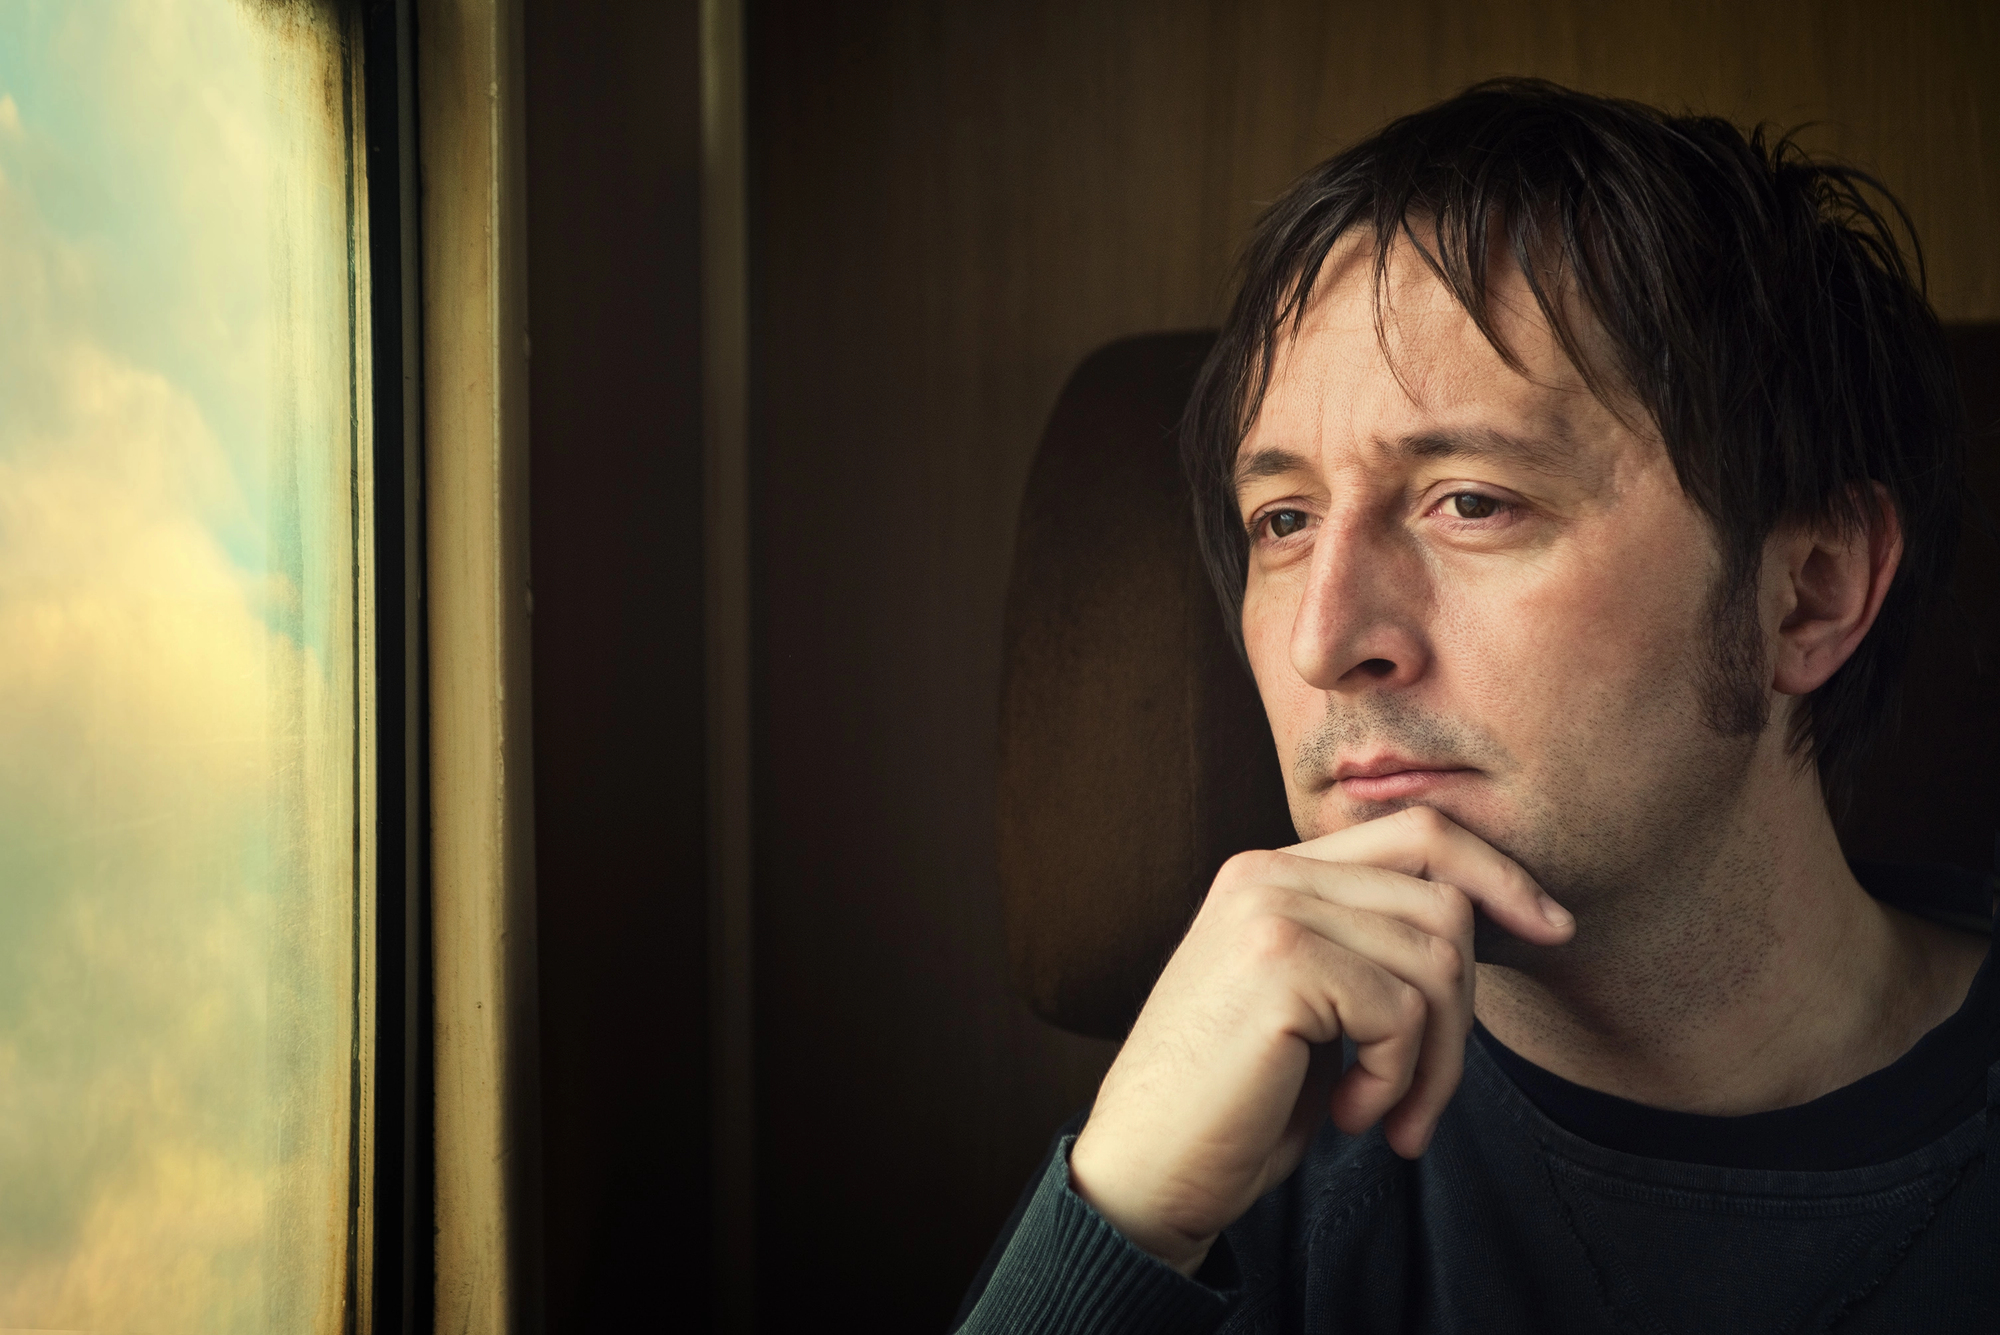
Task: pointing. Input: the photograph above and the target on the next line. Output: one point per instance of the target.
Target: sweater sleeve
(1066, 1270)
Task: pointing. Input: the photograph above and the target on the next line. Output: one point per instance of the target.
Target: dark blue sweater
(1513, 1221)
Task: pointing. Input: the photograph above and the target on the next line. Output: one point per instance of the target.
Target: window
(186, 714)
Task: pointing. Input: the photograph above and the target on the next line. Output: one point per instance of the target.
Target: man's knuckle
(1408, 1004)
(1445, 956)
(1248, 868)
(1259, 899)
(1268, 938)
(1233, 872)
(1444, 910)
(1454, 910)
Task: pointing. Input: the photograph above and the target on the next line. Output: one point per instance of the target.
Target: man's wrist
(1142, 1228)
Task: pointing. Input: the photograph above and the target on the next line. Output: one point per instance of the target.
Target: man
(1573, 474)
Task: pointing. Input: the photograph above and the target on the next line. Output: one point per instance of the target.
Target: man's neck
(1765, 978)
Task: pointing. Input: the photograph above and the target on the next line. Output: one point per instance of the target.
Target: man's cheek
(1291, 705)
(1590, 633)
(1267, 629)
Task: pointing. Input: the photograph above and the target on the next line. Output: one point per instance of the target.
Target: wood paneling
(952, 204)
(613, 139)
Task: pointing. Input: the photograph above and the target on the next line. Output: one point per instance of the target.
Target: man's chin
(1494, 944)
(1334, 812)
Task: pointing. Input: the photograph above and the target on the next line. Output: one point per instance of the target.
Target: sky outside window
(181, 478)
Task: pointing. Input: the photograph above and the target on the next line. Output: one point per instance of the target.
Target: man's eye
(1471, 505)
(1284, 523)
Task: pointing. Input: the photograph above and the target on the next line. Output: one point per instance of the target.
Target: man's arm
(1058, 1266)
(980, 1280)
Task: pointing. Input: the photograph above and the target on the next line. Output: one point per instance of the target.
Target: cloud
(176, 748)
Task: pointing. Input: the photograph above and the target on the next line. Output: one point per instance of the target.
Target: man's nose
(1359, 623)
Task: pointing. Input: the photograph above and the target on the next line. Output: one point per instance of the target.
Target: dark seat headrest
(1134, 754)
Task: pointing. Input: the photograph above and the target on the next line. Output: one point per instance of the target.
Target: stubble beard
(1645, 864)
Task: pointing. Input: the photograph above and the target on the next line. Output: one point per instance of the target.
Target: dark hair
(1755, 303)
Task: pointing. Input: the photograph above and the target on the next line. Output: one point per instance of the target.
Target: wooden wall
(613, 110)
(952, 204)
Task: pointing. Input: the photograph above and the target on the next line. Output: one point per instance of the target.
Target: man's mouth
(1395, 778)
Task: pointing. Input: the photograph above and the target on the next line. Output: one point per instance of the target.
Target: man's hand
(1232, 1064)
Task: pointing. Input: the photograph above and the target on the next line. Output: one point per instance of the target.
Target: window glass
(183, 541)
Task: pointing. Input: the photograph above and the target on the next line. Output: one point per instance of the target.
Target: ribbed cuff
(1069, 1271)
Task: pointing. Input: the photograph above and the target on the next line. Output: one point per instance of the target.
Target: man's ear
(1834, 579)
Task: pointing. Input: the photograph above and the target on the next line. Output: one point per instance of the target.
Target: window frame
(471, 225)
(444, 1234)
(390, 1277)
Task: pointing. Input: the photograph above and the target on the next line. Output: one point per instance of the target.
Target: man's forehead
(1423, 382)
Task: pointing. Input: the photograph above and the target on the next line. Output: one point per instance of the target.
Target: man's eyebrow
(1267, 463)
(1552, 452)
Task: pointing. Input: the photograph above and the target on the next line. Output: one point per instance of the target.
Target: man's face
(1481, 591)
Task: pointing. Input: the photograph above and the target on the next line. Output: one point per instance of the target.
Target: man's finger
(1420, 842)
(1435, 961)
(1438, 908)
(1343, 993)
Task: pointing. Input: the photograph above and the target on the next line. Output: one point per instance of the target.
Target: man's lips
(1393, 778)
